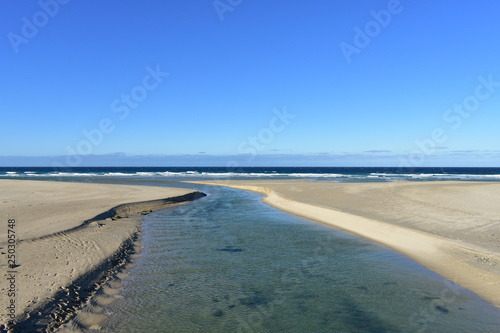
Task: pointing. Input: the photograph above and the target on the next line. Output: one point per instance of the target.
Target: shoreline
(452, 258)
(80, 310)
(62, 277)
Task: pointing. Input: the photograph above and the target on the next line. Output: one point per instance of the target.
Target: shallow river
(229, 263)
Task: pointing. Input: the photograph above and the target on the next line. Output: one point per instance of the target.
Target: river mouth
(229, 263)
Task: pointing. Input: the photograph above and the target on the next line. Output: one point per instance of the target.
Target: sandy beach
(452, 228)
(68, 232)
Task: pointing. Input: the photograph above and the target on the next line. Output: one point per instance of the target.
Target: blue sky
(348, 83)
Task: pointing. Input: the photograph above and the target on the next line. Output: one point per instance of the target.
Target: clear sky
(274, 82)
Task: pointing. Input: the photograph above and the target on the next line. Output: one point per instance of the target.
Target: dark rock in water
(442, 309)
(231, 249)
(218, 313)
(431, 297)
(257, 299)
(389, 283)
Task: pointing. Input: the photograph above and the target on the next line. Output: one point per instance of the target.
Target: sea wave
(178, 174)
(433, 176)
(374, 176)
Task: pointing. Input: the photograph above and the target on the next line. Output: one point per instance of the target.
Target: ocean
(230, 263)
(341, 174)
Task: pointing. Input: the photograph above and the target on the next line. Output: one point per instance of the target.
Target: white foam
(119, 174)
(273, 174)
(69, 174)
(433, 176)
(315, 175)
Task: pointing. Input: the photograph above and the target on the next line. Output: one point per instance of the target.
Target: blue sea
(340, 174)
(230, 263)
